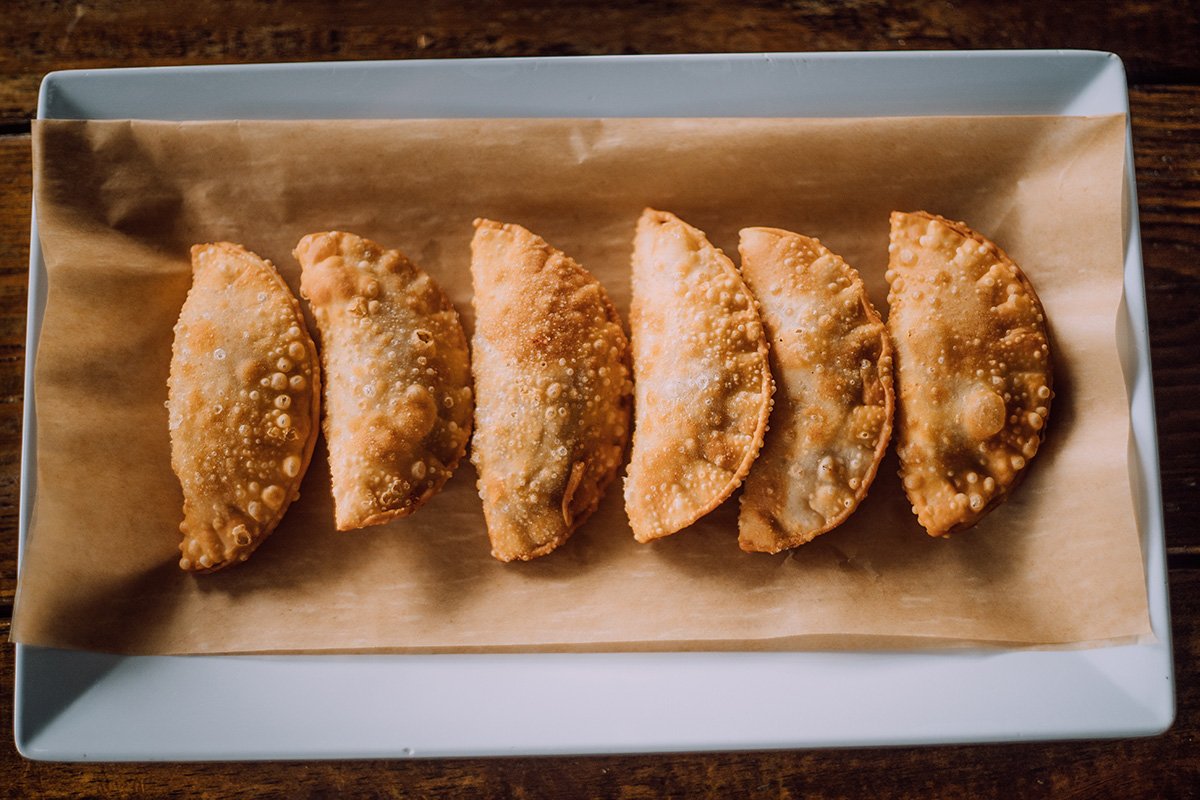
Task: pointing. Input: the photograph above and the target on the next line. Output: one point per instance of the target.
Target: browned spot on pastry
(243, 405)
(398, 402)
(701, 380)
(832, 362)
(552, 375)
(973, 369)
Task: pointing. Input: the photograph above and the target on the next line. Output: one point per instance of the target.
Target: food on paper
(832, 362)
(702, 385)
(243, 404)
(398, 400)
(973, 369)
(552, 390)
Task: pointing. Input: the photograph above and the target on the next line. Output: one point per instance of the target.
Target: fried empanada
(832, 363)
(398, 400)
(243, 403)
(973, 369)
(552, 390)
(702, 385)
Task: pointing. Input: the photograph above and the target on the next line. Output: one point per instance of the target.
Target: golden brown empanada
(552, 390)
(832, 363)
(702, 386)
(973, 369)
(397, 376)
(243, 403)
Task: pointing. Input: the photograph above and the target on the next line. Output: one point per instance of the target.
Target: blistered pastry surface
(973, 370)
(832, 362)
(243, 404)
(398, 397)
(702, 385)
(552, 376)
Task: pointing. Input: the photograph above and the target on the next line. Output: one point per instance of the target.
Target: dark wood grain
(1166, 134)
(16, 189)
(1158, 42)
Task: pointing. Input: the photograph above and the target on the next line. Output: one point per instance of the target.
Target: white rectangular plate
(83, 706)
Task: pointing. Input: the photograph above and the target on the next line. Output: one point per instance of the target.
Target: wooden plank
(1166, 137)
(1156, 40)
(16, 192)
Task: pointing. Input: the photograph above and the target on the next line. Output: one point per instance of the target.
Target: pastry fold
(243, 404)
(973, 369)
(553, 392)
(832, 361)
(398, 399)
(702, 385)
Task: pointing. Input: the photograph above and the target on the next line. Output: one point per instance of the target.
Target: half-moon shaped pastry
(832, 362)
(702, 385)
(973, 369)
(397, 376)
(243, 403)
(552, 390)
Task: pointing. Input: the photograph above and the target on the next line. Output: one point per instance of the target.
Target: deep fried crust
(702, 385)
(243, 404)
(398, 404)
(553, 391)
(832, 361)
(973, 369)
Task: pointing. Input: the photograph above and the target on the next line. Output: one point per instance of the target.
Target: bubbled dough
(702, 386)
(397, 376)
(243, 404)
(553, 390)
(832, 363)
(973, 369)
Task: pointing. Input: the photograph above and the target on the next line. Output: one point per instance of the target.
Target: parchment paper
(119, 203)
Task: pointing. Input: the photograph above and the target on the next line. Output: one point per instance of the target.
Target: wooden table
(1160, 44)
